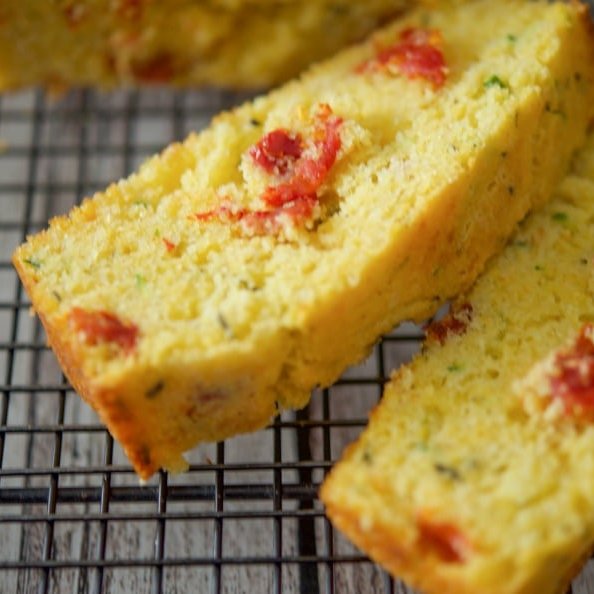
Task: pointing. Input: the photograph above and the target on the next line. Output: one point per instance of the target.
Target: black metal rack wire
(73, 518)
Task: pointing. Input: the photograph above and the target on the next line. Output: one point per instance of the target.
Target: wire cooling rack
(73, 518)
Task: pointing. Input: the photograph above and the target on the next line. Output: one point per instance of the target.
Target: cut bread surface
(106, 43)
(237, 270)
(475, 472)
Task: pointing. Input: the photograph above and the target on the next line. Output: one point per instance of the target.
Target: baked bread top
(475, 473)
(239, 269)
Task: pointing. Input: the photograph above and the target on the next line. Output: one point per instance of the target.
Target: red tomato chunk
(455, 322)
(443, 539)
(573, 377)
(169, 245)
(277, 151)
(416, 55)
(296, 196)
(309, 173)
(102, 326)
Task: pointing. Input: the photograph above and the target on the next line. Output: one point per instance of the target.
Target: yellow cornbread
(238, 43)
(228, 315)
(453, 486)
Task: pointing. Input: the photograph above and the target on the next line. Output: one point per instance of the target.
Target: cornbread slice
(475, 473)
(237, 43)
(238, 270)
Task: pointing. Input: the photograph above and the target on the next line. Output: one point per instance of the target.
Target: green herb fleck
(155, 389)
(141, 203)
(421, 446)
(538, 267)
(255, 122)
(503, 154)
(225, 325)
(560, 217)
(584, 261)
(140, 281)
(34, 263)
(455, 367)
(521, 243)
(157, 233)
(222, 321)
(448, 471)
(495, 81)
(248, 285)
(367, 458)
(511, 37)
(511, 190)
(57, 295)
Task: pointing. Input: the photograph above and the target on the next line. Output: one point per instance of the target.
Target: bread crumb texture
(239, 269)
(237, 43)
(476, 471)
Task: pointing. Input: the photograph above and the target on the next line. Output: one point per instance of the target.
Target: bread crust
(103, 402)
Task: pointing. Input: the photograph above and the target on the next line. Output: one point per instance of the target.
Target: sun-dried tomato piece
(282, 153)
(169, 245)
(98, 326)
(417, 54)
(310, 172)
(277, 151)
(261, 222)
(129, 9)
(572, 378)
(455, 322)
(160, 68)
(224, 213)
(443, 539)
(74, 13)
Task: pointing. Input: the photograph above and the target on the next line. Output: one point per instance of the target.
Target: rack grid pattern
(73, 518)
